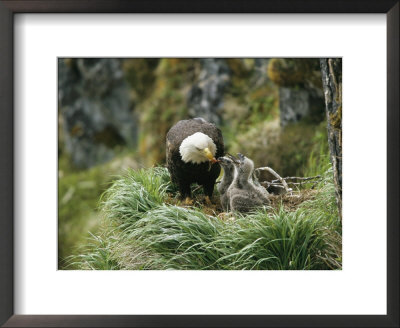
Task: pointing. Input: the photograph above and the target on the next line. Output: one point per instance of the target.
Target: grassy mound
(145, 227)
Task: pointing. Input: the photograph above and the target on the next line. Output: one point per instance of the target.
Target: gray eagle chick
(230, 172)
(244, 195)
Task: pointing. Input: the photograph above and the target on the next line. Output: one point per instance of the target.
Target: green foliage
(78, 200)
(165, 106)
(138, 192)
(251, 119)
(248, 110)
(263, 105)
(139, 72)
(101, 259)
(143, 232)
(318, 159)
(240, 74)
(78, 194)
(291, 151)
(294, 72)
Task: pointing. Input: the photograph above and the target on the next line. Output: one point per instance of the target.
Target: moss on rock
(294, 72)
(164, 107)
(286, 150)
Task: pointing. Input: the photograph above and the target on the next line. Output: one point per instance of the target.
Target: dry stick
(297, 183)
(276, 176)
(198, 187)
(267, 183)
(301, 183)
(299, 178)
(274, 184)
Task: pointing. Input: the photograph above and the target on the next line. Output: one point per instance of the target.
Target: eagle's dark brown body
(184, 174)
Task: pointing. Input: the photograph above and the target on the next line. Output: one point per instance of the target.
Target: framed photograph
(213, 164)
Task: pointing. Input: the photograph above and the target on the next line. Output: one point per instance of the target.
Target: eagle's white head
(198, 148)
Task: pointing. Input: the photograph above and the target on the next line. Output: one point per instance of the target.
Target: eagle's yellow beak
(209, 155)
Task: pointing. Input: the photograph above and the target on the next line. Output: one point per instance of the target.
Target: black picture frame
(11, 7)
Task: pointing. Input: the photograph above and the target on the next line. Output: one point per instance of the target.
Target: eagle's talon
(188, 201)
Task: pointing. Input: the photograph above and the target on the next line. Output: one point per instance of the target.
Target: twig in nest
(196, 188)
(278, 188)
(266, 168)
(298, 178)
(276, 184)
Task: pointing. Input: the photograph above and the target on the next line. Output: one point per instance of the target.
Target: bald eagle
(192, 146)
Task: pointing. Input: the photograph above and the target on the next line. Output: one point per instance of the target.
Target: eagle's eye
(198, 148)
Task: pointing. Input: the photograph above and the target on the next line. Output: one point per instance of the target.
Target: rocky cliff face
(97, 96)
(295, 104)
(300, 89)
(259, 76)
(205, 98)
(95, 108)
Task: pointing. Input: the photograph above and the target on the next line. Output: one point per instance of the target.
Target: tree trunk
(331, 69)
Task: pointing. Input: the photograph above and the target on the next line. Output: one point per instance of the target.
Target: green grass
(78, 201)
(78, 194)
(318, 159)
(141, 231)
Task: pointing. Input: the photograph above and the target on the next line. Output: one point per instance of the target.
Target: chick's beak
(209, 155)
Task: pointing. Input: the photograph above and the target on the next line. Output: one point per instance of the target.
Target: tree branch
(266, 168)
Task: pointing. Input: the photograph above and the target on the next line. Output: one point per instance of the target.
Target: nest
(280, 189)
(290, 202)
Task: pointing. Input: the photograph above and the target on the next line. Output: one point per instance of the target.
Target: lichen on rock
(95, 109)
